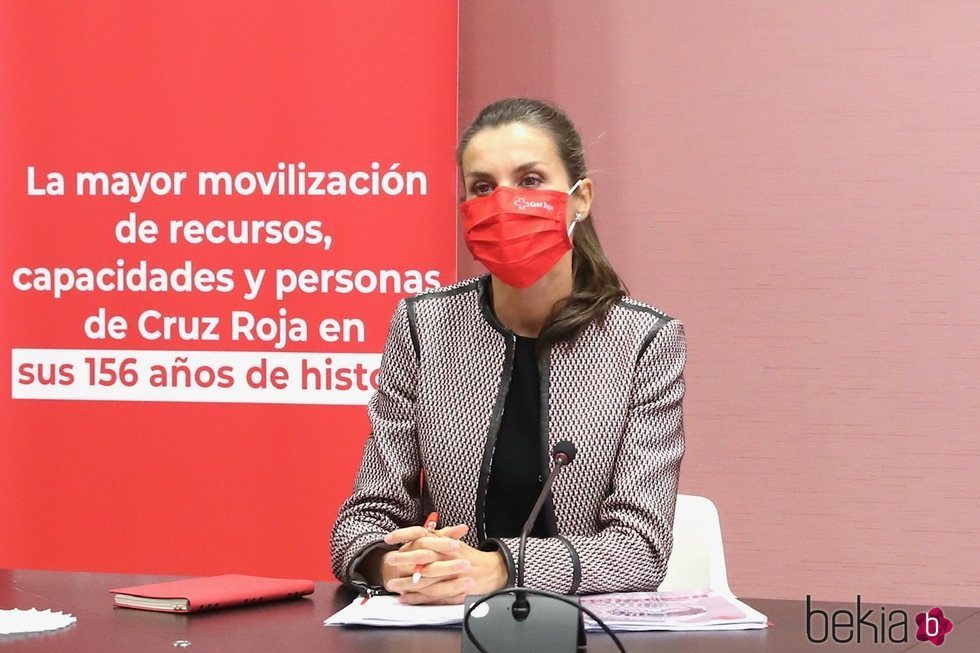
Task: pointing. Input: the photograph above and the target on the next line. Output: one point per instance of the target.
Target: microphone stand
(521, 607)
(505, 621)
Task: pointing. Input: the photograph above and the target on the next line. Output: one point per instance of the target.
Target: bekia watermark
(933, 626)
(881, 626)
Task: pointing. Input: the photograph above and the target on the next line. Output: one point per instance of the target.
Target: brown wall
(800, 183)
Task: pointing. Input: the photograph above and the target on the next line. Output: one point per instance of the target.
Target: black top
(515, 472)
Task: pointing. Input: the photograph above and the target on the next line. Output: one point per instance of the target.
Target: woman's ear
(581, 199)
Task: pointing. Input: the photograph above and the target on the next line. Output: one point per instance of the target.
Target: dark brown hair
(595, 285)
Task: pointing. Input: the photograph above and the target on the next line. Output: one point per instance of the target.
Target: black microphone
(562, 454)
(503, 620)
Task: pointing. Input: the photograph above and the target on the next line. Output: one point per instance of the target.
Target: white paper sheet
(689, 610)
(385, 610)
(32, 621)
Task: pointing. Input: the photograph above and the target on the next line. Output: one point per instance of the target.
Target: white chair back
(697, 560)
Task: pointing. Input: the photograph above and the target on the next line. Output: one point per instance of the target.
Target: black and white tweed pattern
(616, 393)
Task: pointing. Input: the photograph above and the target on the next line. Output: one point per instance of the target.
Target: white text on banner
(252, 377)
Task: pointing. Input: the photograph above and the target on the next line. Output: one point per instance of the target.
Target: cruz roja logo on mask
(522, 204)
(842, 626)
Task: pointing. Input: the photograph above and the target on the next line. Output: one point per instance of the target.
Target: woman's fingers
(452, 570)
(432, 573)
(403, 535)
(450, 590)
(412, 558)
(443, 545)
(455, 532)
(412, 533)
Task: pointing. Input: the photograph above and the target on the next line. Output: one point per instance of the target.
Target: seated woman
(479, 380)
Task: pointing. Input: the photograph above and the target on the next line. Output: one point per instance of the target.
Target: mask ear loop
(578, 215)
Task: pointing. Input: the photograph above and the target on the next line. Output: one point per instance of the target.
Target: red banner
(207, 214)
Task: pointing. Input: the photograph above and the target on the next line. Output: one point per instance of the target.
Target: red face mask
(517, 233)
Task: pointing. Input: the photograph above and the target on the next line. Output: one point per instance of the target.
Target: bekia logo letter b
(933, 626)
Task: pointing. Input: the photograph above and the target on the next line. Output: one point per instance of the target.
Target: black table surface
(297, 625)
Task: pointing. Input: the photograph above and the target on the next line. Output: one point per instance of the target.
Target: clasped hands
(451, 568)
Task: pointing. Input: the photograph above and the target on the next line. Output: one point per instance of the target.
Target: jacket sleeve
(386, 488)
(631, 549)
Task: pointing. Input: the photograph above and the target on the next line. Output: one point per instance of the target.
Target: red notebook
(208, 593)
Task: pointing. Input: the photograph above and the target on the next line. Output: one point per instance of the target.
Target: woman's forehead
(502, 149)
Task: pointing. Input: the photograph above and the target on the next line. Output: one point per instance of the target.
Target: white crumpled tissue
(32, 621)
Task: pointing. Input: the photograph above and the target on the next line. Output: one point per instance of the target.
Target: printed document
(687, 610)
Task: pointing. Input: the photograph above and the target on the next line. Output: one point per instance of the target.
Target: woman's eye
(480, 188)
(531, 181)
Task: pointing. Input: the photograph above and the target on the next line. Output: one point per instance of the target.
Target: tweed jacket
(615, 392)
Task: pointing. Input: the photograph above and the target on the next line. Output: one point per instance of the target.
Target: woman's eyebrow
(521, 168)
